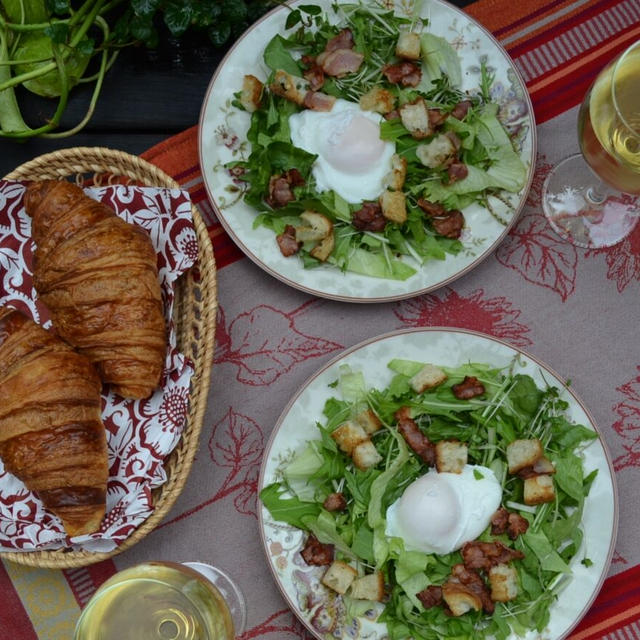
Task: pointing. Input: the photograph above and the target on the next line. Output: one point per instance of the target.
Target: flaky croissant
(51, 433)
(98, 276)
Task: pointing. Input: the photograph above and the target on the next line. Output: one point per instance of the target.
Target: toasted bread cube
(408, 46)
(428, 377)
(377, 99)
(339, 576)
(369, 421)
(539, 489)
(503, 579)
(451, 456)
(369, 587)
(365, 455)
(415, 117)
(394, 206)
(290, 87)
(396, 177)
(523, 453)
(324, 248)
(251, 93)
(348, 436)
(437, 152)
(459, 598)
(317, 227)
(543, 466)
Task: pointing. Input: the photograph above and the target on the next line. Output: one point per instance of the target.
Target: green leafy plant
(50, 46)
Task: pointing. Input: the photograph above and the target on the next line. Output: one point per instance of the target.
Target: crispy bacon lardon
(470, 387)
(335, 502)
(369, 218)
(431, 596)
(513, 524)
(316, 552)
(462, 577)
(287, 241)
(457, 171)
(318, 101)
(424, 448)
(484, 555)
(280, 188)
(408, 74)
(461, 109)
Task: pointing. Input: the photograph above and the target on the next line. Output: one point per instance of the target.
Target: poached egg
(439, 512)
(352, 159)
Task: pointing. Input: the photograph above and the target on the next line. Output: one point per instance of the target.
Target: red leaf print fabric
(262, 356)
(493, 316)
(623, 260)
(627, 426)
(282, 625)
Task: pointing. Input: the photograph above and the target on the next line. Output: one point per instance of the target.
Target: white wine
(609, 124)
(156, 601)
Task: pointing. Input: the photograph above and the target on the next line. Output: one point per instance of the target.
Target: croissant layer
(51, 432)
(98, 276)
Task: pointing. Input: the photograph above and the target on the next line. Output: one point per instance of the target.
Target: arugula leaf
(277, 56)
(293, 511)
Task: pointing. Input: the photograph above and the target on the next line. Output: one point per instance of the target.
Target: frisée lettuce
(512, 407)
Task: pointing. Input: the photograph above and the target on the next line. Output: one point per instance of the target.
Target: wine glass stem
(596, 195)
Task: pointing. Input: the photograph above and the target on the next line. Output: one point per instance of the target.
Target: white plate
(299, 583)
(223, 129)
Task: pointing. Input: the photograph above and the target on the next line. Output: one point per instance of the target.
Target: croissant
(98, 276)
(51, 433)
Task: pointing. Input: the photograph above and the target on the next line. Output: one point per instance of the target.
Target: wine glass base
(229, 591)
(584, 211)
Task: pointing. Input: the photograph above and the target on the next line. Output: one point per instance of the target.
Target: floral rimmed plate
(222, 138)
(320, 610)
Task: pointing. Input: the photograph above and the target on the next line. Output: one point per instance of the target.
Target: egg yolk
(353, 145)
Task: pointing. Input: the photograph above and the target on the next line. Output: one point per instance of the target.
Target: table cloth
(574, 309)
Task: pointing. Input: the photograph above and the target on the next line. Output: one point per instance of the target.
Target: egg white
(352, 159)
(439, 512)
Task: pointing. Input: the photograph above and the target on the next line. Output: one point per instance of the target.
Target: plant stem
(10, 117)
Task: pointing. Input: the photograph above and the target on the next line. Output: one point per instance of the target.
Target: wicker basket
(194, 315)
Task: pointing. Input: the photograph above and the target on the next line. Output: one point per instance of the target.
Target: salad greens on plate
(462, 156)
(507, 407)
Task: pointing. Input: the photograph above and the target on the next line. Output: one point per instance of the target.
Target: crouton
(396, 177)
(348, 436)
(451, 456)
(437, 152)
(369, 421)
(523, 453)
(415, 117)
(408, 46)
(377, 99)
(324, 248)
(365, 455)
(394, 206)
(316, 227)
(369, 587)
(459, 599)
(503, 579)
(339, 576)
(251, 93)
(428, 377)
(290, 87)
(539, 489)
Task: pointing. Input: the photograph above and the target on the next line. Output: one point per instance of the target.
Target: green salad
(505, 410)
(449, 148)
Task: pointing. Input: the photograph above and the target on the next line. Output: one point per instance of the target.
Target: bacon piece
(474, 583)
(499, 522)
(457, 171)
(484, 555)
(424, 448)
(344, 40)
(280, 185)
(287, 241)
(314, 75)
(447, 223)
(316, 552)
(408, 74)
(369, 218)
(432, 208)
(318, 101)
(517, 525)
(335, 502)
(392, 115)
(461, 109)
(431, 596)
(436, 117)
(470, 387)
(340, 62)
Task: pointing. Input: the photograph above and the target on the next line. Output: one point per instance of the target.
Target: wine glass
(590, 199)
(164, 601)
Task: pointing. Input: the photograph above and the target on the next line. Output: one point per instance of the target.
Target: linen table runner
(575, 309)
